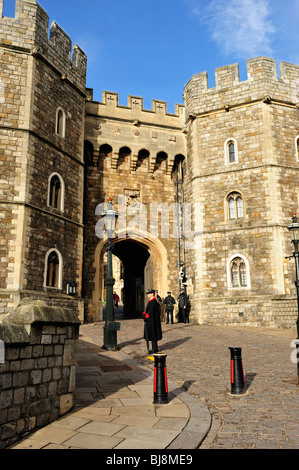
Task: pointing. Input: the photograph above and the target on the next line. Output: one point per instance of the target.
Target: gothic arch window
(235, 209)
(53, 269)
(60, 122)
(297, 147)
(56, 192)
(231, 151)
(238, 276)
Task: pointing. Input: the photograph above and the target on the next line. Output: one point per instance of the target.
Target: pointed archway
(145, 266)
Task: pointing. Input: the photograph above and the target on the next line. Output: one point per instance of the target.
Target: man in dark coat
(169, 306)
(152, 322)
(182, 300)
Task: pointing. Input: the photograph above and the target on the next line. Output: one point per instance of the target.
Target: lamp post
(111, 327)
(294, 232)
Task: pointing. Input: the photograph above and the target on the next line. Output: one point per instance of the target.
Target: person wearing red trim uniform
(152, 322)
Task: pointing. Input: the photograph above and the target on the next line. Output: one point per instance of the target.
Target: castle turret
(243, 139)
(42, 99)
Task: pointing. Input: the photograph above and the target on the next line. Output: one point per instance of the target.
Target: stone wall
(276, 311)
(37, 379)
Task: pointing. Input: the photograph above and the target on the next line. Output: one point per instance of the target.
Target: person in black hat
(152, 322)
(169, 302)
(182, 300)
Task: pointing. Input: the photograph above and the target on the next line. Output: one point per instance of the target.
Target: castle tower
(243, 180)
(42, 102)
(132, 155)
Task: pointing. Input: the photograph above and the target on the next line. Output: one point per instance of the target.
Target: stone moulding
(39, 312)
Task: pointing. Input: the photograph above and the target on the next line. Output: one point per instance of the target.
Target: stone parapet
(37, 378)
(28, 31)
(109, 106)
(262, 84)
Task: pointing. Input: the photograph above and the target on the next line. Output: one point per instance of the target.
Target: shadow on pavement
(249, 377)
(99, 374)
(173, 344)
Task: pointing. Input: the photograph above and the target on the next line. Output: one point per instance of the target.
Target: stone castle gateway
(228, 158)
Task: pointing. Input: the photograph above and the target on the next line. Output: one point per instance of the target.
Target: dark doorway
(134, 257)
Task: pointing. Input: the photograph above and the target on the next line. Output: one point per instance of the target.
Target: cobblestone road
(198, 358)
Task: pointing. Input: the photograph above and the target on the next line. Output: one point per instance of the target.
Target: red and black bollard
(237, 372)
(160, 380)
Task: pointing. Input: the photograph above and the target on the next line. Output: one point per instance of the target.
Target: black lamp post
(294, 232)
(111, 327)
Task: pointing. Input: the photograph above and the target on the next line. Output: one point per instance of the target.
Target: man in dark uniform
(152, 322)
(169, 302)
(182, 300)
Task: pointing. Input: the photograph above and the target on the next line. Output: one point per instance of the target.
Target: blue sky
(151, 48)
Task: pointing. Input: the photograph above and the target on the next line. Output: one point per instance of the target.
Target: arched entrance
(134, 257)
(145, 266)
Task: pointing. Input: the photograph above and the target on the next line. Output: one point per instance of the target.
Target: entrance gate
(145, 266)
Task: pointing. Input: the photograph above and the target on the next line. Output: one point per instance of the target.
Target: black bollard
(160, 380)
(237, 373)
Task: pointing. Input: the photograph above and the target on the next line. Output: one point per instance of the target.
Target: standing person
(152, 322)
(182, 300)
(116, 299)
(169, 302)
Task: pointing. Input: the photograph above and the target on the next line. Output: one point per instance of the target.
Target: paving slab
(113, 406)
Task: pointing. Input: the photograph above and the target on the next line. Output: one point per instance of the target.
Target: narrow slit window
(231, 206)
(60, 122)
(53, 270)
(55, 192)
(231, 152)
(239, 204)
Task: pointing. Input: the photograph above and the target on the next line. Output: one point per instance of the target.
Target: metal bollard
(237, 373)
(160, 380)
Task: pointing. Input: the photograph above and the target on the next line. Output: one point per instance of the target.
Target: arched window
(230, 151)
(235, 206)
(238, 272)
(53, 269)
(56, 192)
(60, 122)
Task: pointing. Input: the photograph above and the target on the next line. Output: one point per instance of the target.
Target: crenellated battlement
(29, 31)
(262, 81)
(135, 107)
